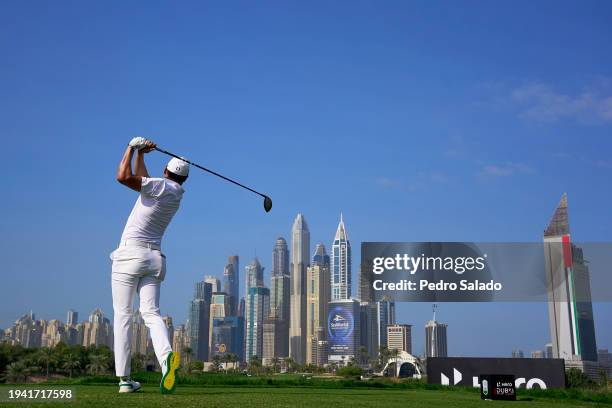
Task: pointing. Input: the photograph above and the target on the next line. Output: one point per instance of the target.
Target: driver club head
(267, 203)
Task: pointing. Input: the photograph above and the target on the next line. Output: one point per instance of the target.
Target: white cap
(178, 167)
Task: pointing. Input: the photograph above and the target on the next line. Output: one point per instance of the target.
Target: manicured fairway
(105, 396)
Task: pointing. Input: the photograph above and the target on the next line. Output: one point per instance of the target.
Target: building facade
(570, 310)
(399, 337)
(341, 264)
(300, 257)
(317, 302)
(257, 309)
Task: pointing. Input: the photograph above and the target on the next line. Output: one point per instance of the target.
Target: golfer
(139, 266)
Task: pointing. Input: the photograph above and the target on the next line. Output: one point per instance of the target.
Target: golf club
(267, 200)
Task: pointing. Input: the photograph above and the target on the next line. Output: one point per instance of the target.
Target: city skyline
(205, 287)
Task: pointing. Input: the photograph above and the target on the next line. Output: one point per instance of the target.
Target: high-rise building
(180, 339)
(320, 256)
(280, 258)
(317, 302)
(140, 334)
(228, 337)
(341, 264)
(518, 353)
(368, 315)
(276, 328)
(199, 315)
(275, 344)
(72, 317)
(399, 337)
(343, 330)
(97, 330)
(257, 309)
(280, 289)
(548, 350)
(435, 339)
(300, 256)
(538, 354)
(253, 275)
(219, 307)
(385, 316)
(570, 310)
(231, 282)
(215, 283)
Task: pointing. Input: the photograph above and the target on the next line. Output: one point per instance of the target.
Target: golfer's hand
(148, 146)
(137, 143)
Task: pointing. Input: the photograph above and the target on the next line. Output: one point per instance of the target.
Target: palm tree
(216, 363)
(98, 363)
(275, 364)
(15, 371)
(186, 355)
(46, 357)
(71, 361)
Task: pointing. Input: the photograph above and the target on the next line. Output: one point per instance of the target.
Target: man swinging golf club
(138, 265)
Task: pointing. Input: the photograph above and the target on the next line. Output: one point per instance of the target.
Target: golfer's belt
(131, 242)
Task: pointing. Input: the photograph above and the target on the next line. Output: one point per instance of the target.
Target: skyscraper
(368, 315)
(219, 307)
(72, 318)
(257, 309)
(570, 310)
(276, 328)
(317, 302)
(435, 339)
(140, 334)
(199, 315)
(399, 337)
(228, 337)
(385, 316)
(275, 342)
(300, 254)
(280, 290)
(231, 282)
(253, 275)
(214, 282)
(341, 264)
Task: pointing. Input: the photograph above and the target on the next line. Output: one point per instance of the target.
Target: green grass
(91, 396)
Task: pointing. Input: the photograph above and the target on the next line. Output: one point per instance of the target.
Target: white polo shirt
(158, 202)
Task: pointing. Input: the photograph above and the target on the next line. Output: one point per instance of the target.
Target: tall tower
(317, 302)
(231, 283)
(276, 328)
(257, 308)
(280, 281)
(300, 254)
(215, 283)
(72, 318)
(341, 264)
(253, 275)
(199, 315)
(436, 344)
(570, 310)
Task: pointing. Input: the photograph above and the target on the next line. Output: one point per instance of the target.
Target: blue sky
(449, 121)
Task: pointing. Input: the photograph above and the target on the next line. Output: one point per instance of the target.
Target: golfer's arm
(124, 173)
(141, 168)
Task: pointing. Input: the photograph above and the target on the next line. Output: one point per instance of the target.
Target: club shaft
(209, 171)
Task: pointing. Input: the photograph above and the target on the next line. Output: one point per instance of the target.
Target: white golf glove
(138, 142)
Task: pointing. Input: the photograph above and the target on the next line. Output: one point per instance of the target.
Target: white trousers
(137, 270)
